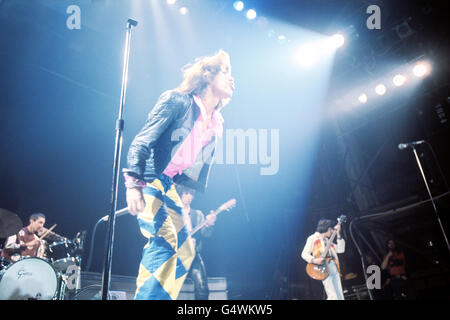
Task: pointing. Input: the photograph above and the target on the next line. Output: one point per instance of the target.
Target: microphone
(132, 22)
(119, 213)
(402, 146)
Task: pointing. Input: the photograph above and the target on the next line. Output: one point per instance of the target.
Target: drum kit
(45, 277)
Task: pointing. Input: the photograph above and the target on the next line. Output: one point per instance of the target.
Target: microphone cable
(91, 248)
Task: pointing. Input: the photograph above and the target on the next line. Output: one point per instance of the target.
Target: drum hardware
(63, 264)
(61, 250)
(42, 252)
(65, 256)
(54, 275)
(62, 255)
(4, 263)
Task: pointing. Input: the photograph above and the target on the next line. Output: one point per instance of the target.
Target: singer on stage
(176, 145)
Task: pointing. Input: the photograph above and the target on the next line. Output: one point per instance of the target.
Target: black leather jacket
(168, 124)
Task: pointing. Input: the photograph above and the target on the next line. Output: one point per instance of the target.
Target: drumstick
(47, 232)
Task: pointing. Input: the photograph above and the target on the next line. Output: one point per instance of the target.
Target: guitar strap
(318, 248)
(329, 253)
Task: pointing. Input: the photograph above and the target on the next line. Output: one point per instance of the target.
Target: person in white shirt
(314, 247)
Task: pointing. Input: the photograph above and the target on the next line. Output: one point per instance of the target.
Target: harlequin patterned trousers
(169, 252)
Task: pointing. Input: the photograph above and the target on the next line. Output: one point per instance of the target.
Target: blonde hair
(199, 74)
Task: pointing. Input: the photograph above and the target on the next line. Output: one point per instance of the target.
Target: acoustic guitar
(320, 272)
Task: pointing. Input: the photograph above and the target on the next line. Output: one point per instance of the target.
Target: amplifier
(358, 292)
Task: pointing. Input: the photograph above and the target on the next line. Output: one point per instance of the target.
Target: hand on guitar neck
(329, 236)
(211, 219)
(338, 229)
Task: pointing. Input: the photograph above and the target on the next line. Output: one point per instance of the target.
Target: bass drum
(31, 279)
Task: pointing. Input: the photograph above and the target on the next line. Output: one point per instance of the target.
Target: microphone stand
(116, 166)
(431, 197)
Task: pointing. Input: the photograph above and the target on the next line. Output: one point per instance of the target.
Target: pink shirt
(195, 141)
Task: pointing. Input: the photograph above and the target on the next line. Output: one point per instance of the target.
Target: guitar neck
(330, 241)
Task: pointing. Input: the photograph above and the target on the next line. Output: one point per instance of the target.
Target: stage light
(337, 40)
(282, 39)
(306, 56)
(330, 44)
(238, 5)
(399, 80)
(184, 11)
(262, 22)
(421, 69)
(362, 98)
(380, 89)
(170, 2)
(251, 14)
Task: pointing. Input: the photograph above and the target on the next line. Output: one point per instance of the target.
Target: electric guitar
(320, 272)
(224, 207)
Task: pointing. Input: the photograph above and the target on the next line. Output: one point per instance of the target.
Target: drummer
(26, 242)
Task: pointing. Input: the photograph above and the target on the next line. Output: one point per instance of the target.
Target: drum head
(29, 279)
(61, 250)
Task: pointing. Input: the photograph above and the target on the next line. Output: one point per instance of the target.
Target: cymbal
(10, 223)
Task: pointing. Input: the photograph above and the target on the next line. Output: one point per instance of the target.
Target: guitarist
(315, 245)
(196, 217)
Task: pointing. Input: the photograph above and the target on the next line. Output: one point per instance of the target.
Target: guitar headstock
(227, 205)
